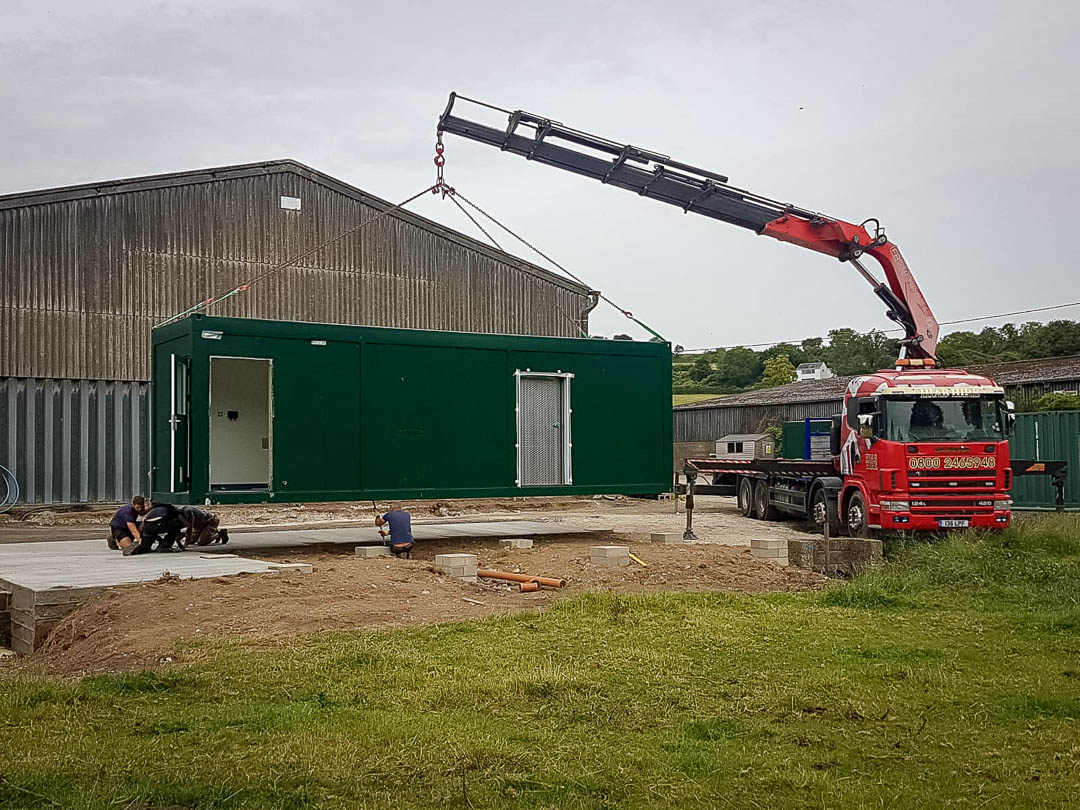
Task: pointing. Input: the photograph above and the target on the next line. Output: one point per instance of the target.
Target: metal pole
(691, 479)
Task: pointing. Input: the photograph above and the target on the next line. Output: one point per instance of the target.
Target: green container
(1046, 436)
(256, 410)
(794, 439)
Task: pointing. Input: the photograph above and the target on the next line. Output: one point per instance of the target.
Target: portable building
(248, 410)
(1046, 436)
(745, 446)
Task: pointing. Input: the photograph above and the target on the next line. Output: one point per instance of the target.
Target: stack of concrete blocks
(516, 542)
(459, 566)
(32, 615)
(5, 618)
(770, 549)
(373, 551)
(609, 556)
(846, 554)
(671, 538)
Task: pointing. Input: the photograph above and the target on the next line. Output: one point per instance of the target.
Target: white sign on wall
(290, 203)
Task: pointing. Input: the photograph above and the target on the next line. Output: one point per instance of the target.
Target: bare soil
(138, 626)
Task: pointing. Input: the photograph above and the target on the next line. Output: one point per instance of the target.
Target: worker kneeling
(165, 524)
(397, 532)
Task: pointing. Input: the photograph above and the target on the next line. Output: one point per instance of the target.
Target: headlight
(896, 506)
(1004, 505)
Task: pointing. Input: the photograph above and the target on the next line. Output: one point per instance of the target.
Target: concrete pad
(666, 537)
(768, 542)
(372, 551)
(609, 551)
(516, 542)
(610, 562)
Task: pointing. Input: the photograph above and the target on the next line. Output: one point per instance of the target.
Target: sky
(954, 123)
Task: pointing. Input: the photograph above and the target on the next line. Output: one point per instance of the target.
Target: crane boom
(657, 176)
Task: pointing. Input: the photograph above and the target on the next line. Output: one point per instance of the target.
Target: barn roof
(286, 165)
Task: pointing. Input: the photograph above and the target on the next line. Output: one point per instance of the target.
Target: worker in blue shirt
(398, 531)
(124, 527)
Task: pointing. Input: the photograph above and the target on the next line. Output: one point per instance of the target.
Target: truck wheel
(746, 497)
(857, 518)
(823, 509)
(764, 509)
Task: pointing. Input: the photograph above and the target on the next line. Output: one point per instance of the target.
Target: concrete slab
(421, 532)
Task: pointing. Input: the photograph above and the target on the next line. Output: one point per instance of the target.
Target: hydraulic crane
(699, 191)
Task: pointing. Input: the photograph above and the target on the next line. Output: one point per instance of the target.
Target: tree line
(846, 352)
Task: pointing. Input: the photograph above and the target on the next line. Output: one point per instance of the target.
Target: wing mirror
(1010, 417)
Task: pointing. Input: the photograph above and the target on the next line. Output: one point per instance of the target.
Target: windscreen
(946, 419)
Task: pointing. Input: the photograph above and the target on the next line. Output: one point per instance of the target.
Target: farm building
(401, 413)
(86, 271)
(745, 446)
(706, 421)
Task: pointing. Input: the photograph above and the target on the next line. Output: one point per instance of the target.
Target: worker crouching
(396, 529)
(173, 528)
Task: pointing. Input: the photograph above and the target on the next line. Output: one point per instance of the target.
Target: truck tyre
(823, 510)
(746, 497)
(857, 518)
(764, 509)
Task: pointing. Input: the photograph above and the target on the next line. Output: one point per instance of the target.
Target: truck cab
(923, 449)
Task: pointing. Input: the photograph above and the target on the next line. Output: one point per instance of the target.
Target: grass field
(686, 399)
(949, 678)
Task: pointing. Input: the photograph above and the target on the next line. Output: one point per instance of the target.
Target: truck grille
(942, 481)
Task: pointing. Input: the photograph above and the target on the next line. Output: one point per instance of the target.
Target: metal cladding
(86, 271)
(708, 424)
(75, 441)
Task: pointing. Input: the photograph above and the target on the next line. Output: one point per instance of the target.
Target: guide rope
(209, 302)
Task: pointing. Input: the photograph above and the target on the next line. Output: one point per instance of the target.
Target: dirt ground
(137, 626)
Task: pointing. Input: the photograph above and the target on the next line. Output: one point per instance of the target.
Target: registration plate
(953, 524)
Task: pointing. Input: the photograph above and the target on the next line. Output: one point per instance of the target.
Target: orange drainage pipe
(528, 587)
(547, 582)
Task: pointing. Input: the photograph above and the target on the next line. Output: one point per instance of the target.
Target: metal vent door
(543, 431)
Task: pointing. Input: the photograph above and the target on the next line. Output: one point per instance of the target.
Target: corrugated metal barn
(86, 271)
(753, 411)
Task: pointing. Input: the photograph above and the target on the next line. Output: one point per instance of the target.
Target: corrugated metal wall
(71, 441)
(83, 280)
(709, 424)
(1047, 436)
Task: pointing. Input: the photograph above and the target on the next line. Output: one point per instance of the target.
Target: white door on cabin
(543, 430)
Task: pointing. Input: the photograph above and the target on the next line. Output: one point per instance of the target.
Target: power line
(888, 331)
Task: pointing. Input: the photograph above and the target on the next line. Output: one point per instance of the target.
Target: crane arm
(657, 176)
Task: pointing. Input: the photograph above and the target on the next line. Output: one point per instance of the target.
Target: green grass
(687, 399)
(950, 678)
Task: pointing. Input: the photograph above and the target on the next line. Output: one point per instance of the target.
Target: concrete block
(801, 553)
(516, 542)
(372, 551)
(667, 537)
(765, 553)
(610, 562)
(609, 551)
(459, 571)
(768, 542)
(300, 568)
(454, 559)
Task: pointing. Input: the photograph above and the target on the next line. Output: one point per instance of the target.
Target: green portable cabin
(269, 411)
(1046, 436)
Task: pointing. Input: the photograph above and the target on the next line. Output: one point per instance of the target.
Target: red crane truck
(917, 448)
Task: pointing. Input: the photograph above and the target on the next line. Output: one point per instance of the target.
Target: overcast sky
(955, 124)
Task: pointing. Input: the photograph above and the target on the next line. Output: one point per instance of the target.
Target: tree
(679, 349)
(852, 353)
(701, 369)
(739, 367)
(1062, 401)
(778, 371)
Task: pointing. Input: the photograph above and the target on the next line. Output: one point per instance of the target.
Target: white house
(813, 371)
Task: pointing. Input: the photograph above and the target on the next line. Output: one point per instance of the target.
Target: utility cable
(890, 331)
(11, 489)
